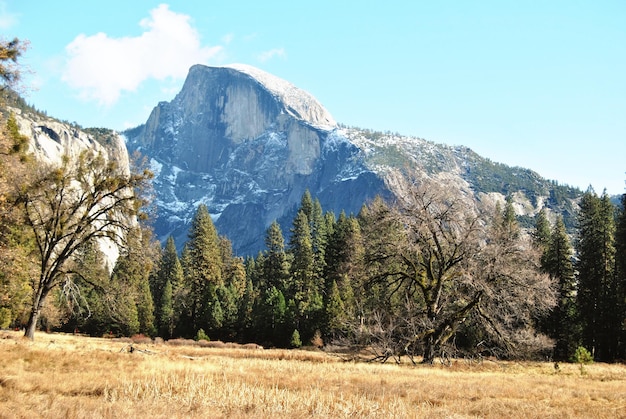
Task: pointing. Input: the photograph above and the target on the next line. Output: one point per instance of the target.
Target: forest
(433, 274)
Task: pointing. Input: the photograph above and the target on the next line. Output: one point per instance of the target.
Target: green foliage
(167, 319)
(5, 317)
(202, 268)
(201, 335)
(597, 289)
(582, 356)
(10, 52)
(165, 285)
(295, 341)
(562, 324)
(103, 136)
(620, 279)
(19, 141)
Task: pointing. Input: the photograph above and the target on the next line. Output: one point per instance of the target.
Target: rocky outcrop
(51, 139)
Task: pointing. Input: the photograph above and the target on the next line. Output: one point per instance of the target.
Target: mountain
(248, 145)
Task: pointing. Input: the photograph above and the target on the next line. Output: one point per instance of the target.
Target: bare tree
(437, 248)
(66, 206)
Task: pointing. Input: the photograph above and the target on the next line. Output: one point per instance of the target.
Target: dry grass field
(64, 376)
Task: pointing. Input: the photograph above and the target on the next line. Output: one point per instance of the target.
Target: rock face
(248, 145)
(51, 140)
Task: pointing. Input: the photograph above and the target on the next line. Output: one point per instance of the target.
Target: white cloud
(268, 55)
(101, 67)
(7, 19)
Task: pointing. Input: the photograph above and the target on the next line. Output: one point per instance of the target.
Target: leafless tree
(455, 261)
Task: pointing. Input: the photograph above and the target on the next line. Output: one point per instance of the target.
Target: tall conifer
(203, 271)
(563, 321)
(596, 253)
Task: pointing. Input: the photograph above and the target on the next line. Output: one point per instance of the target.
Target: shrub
(140, 338)
(201, 335)
(295, 341)
(582, 356)
(317, 340)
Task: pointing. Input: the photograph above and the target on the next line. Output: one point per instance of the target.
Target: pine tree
(245, 309)
(203, 272)
(305, 289)
(510, 225)
(620, 278)
(542, 232)
(306, 204)
(133, 306)
(596, 255)
(145, 308)
(345, 260)
(276, 265)
(83, 293)
(272, 317)
(319, 238)
(562, 324)
(335, 311)
(167, 319)
(169, 274)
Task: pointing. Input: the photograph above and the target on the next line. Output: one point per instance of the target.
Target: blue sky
(537, 84)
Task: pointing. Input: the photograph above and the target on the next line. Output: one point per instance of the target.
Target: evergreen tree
(133, 307)
(167, 319)
(83, 293)
(562, 323)
(203, 273)
(596, 256)
(542, 232)
(276, 265)
(345, 262)
(169, 274)
(335, 311)
(145, 308)
(245, 310)
(620, 278)
(305, 289)
(509, 222)
(319, 237)
(306, 205)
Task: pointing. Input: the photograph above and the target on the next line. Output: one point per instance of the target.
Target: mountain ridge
(229, 141)
(234, 140)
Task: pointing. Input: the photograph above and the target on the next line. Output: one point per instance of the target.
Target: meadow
(67, 376)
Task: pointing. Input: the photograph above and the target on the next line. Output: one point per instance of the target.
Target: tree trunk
(32, 323)
(31, 326)
(429, 350)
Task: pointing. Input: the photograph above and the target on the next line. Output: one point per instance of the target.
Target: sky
(537, 84)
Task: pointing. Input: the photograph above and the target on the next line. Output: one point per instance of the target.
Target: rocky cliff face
(248, 145)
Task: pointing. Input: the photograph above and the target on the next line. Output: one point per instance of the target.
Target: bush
(317, 340)
(582, 356)
(295, 341)
(140, 338)
(201, 335)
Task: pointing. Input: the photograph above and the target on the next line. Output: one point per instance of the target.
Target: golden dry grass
(77, 377)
